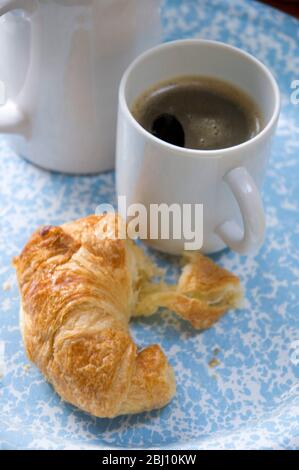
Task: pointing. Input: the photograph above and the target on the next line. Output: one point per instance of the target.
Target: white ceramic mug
(227, 182)
(64, 117)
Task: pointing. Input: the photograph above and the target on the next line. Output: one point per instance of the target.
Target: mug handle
(248, 197)
(12, 118)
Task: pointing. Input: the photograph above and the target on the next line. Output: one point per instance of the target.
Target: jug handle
(12, 118)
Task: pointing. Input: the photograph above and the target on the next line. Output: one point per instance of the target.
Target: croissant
(79, 288)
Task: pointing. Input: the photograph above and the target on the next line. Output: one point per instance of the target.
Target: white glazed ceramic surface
(150, 171)
(65, 113)
(14, 51)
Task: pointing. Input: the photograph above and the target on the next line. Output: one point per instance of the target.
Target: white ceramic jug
(70, 55)
(14, 52)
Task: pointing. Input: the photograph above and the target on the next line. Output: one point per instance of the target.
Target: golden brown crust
(207, 292)
(94, 368)
(204, 293)
(79, 288)
(201, 274)
(150, 383)
(77, 293)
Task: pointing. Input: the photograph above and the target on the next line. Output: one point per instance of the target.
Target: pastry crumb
(216, 352)
(214, 363)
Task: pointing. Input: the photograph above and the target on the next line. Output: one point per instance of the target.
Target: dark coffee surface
(198, 113)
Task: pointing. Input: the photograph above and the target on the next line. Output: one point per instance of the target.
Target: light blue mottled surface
(251, 399)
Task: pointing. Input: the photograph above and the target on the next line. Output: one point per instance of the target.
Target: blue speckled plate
(251, 398)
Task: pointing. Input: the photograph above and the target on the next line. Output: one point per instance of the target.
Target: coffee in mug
(197, 112)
